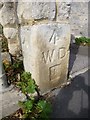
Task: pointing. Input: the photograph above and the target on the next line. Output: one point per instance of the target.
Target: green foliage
(27, 84)
(33, 108)
(82, 41)
(44, 109)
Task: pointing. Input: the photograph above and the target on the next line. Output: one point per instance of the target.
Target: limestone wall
(42, 31)
(45, 43)
(79, 18)
(13, 15)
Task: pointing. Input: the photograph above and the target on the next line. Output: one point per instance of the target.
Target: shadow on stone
(72, 101)
(73, 52)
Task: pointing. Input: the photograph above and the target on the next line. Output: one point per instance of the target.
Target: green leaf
(28, 105)
(44, 106)
(31, 87)
(25, 76)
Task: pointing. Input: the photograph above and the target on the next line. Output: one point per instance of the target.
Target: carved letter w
(48, 56)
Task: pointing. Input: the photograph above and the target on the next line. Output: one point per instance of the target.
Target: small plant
(34, 108)
(82, 41)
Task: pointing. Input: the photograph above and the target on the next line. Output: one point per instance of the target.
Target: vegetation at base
(34, 108)
(82, 41)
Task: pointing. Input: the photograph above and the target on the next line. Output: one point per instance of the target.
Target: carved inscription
(54, 38)
(52, 55)
(54, 72)
(48, 56)
(61, 52)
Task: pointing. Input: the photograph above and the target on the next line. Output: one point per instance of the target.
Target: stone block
(7, 14)
(63, 11)
(79, 18)
(13, 42)
(46, 51)
(6, 56)
(36, 10)
(10, 33)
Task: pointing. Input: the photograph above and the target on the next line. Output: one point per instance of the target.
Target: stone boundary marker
(46, 53)
(42, 30)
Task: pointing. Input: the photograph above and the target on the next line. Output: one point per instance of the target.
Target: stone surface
(63, 11)
(79, 56)
(9, 102)
(12, 36)
(46, 51)
(7, 14)
(79, 18)
(6, 56)
(36, 10)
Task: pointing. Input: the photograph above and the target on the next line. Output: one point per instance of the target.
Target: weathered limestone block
(46, 53)
(12, 36)
(7, 14)
(36, 10)
(79, 18)
(63, 11)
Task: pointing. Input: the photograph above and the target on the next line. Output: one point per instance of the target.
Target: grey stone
(7, 14)
(12, 36)
(36, 10)
(9, 102)
(10, 33)
(47, 46)
(6, 56)
(63, 11)
(79, 18)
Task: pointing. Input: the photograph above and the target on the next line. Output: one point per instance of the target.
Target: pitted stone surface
(47, 46)
(36, 10)
(10, 33)
(12, 36)
(79, 18)
(7, 14)
(63, 11)
(9, 102)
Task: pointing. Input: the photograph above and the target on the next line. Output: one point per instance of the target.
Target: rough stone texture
(10, 33)
(6, 56)
(8, 20)
(63, 11)
(7, 14)
(36, 10)
(12, 36)
(22, 13)
(9, 102)
(79, 18)
(46, 51)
